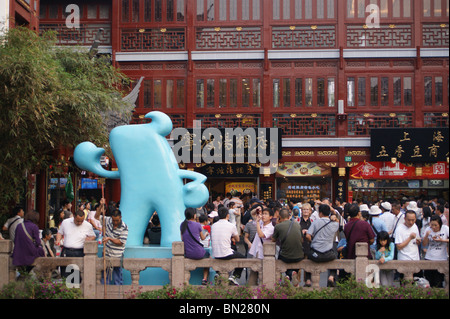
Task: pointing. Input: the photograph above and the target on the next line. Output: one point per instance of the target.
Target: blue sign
(87, 183)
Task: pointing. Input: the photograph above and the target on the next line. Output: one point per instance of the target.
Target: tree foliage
(50, 97)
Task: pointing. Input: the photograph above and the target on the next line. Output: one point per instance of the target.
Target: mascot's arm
(87, 157)
(195, 193)
(197, 178)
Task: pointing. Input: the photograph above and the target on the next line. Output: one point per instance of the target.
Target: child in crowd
(384, 253)
(206, 230)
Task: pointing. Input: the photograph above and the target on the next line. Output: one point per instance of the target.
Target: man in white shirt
(407, 238)
(75, 230)
(222, 232)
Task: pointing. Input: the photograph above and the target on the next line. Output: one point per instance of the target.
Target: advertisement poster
(303, 169)
(242, 187)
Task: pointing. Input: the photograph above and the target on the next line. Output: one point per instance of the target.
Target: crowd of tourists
(405, 229)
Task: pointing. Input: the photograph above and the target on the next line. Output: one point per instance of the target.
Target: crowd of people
(66, 235)
(406, 229)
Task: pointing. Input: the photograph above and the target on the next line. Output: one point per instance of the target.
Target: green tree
(49, 97)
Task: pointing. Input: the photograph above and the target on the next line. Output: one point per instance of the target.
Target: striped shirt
(121, 232)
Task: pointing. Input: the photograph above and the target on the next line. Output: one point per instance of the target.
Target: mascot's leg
(136, 214)
(171, 215)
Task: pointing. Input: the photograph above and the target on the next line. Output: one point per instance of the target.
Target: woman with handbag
(27, 243)
(191, 233)
(321, 234)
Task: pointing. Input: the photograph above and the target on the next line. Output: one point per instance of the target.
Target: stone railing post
(269, 275)
(177, 271)
(361, 261)
(5, 252)
(90, 269)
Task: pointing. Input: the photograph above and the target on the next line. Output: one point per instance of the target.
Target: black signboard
(409, 145)
(234, 145)
(230, 170)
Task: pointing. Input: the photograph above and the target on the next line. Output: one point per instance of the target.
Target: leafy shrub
(349, 289)
(31, 288)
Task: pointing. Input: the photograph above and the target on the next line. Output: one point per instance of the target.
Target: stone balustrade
(179, 267)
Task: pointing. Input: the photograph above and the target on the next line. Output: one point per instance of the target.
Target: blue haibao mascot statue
(150, 177)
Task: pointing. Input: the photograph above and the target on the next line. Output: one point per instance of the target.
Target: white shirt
(437, 250)
(221, 233)
(314, 216)
(232, 213)
(444, 220)
(257, 246)
(389, 220)
(74, 236)
(399, 219)
(410, 251)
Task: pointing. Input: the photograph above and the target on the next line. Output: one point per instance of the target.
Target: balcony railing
(229, 120)
(298, 125)
(142, 40)
(360, 124)
(435, 35)
(227, 38)
(435, 119)
(386, 36)
(84, 35)
(304, 37)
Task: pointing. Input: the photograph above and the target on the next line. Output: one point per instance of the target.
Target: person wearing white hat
(387, 216)
(413, 206)
(363, 207)
(377, 224)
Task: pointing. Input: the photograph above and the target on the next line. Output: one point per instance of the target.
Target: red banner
(387, 170)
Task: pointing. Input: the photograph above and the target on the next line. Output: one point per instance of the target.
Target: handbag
(28, 235)
(39, 249)
(318, 256)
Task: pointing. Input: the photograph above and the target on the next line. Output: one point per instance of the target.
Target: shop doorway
(221, 186)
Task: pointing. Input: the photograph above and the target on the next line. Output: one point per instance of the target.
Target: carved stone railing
(179, 267)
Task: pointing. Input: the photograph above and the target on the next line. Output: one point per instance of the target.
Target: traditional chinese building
(323, 71)
(19, 13)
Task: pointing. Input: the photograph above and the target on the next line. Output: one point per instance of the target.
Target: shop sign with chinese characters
(230, 170)
(425, 145)
(388, 170)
